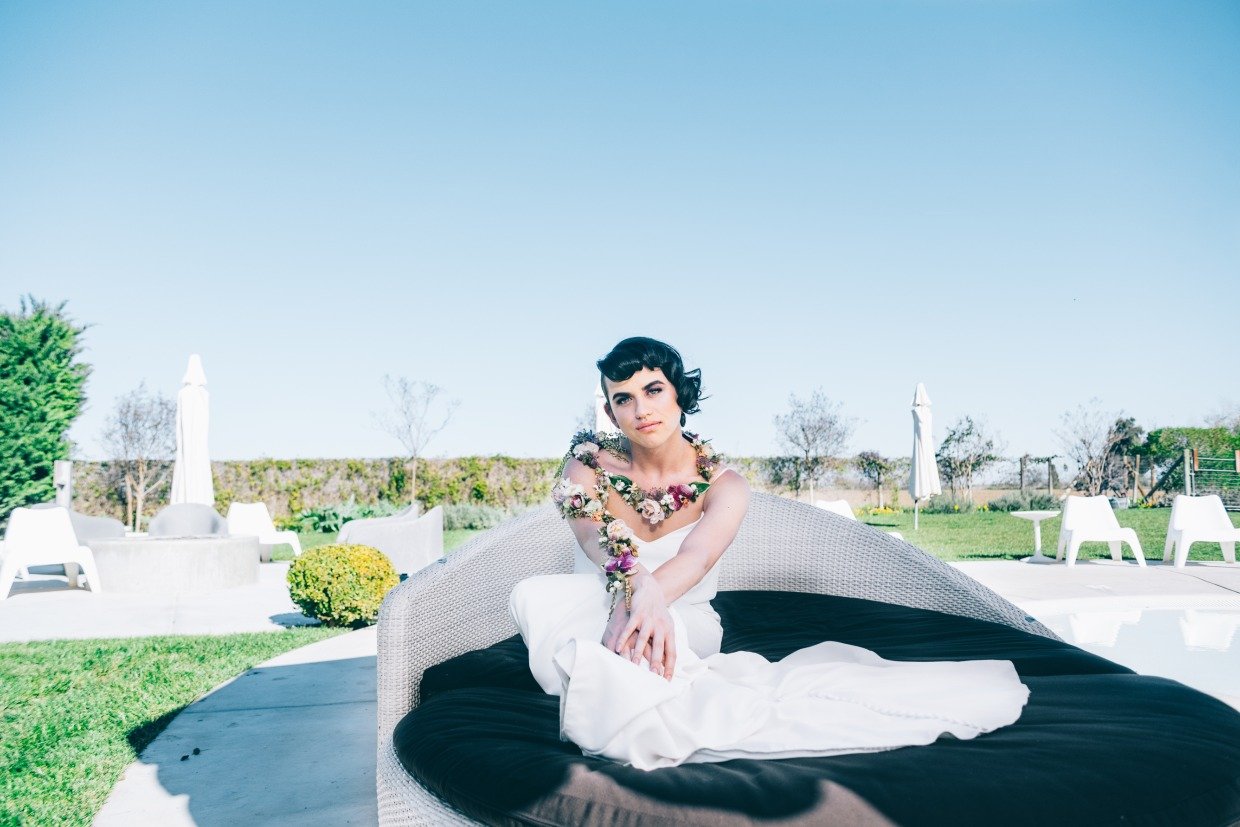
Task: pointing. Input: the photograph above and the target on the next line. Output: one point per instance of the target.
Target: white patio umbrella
(602, 422)
(191, 475)
(923, 478)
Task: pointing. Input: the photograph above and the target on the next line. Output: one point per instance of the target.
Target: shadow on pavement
(288, 744)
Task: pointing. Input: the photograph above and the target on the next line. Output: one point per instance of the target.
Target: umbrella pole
(916, 506)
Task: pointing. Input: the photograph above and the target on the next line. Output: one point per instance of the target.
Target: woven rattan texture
(461, 603)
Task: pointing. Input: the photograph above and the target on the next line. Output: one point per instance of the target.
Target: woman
(629, 641)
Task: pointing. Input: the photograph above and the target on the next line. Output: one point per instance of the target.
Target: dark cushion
(1096, 744)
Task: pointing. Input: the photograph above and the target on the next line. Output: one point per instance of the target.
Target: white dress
(827, 699)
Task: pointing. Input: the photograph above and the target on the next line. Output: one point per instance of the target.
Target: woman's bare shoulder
(729, 490)
(578, 471)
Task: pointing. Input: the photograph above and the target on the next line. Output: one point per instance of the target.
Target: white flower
(585, 449)
(618, 530)
(667, 500)
(651, 511)
(569, 495)
(592, 506)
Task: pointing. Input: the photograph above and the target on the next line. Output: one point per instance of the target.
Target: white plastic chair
(842, 508)
(254, 520)
(44, 537)
(1199, 520)
(411, 542)
(1090, 519)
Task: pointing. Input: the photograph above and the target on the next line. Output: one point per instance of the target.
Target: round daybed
(465, 736)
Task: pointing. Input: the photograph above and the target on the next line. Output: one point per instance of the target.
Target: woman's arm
(585, 529)
(725, 508)
(647, 630)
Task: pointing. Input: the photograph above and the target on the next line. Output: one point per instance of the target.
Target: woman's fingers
(643, 641)
(669, 655)
(656, 652)
(630, 629)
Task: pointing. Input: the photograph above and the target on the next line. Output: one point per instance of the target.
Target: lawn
(997, 535)
(75, 713)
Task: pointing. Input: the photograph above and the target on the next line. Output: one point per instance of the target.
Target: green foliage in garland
(42, 389)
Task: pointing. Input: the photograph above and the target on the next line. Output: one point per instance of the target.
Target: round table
(172, 565)
(1036, 517)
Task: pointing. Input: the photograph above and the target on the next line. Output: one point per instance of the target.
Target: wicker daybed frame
(461, 604)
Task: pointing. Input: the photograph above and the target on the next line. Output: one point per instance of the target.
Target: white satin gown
(827, 699)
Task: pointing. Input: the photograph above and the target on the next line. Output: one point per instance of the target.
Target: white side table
(1036, 517)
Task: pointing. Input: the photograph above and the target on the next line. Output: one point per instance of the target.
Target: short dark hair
(637, 352)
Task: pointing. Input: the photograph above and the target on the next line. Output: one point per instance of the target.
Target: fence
(1214, 475)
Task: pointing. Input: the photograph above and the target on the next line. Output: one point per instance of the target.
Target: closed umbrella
(191, 475)
(923, 479)
(602, 422)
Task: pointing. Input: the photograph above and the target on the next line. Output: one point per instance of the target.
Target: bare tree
(140, 436)
(410, 420)
(1098, 442)
(965, 451)
(1227, 416)
(814, 432)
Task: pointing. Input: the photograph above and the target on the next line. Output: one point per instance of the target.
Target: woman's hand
(647, 631)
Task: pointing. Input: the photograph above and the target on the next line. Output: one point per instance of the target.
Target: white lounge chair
(44, 537)
(1199, 520)
(842, 508)
(1090, 519)
(188, 520)
(411, 542)
(254, 520)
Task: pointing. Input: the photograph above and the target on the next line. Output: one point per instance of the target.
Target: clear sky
(1022, 204)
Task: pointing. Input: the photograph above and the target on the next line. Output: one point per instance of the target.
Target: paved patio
(44, 608)
(292, 740)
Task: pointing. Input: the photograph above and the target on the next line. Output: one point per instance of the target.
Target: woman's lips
(648, 426)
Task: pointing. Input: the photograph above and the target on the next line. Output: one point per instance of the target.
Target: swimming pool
(1194, 641)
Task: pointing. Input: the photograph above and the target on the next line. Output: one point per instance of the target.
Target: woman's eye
(653, 391)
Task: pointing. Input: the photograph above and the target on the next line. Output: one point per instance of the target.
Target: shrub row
(376, 486)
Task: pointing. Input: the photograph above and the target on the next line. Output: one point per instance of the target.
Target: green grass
(996, 535)
(75, 713)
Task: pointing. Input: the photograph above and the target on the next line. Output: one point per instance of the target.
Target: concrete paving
(45, 608)
(292, 741)
(1029, 585)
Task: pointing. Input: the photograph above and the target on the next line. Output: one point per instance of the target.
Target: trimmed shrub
(341, 585)
(947, 505)
(476, 517)
(1028, 502)
(331, 518)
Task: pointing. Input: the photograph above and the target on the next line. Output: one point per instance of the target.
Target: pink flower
(623, 564)
(681, 494)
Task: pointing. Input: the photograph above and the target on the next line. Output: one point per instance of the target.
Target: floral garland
(654, 506)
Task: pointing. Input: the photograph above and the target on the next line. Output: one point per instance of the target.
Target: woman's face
(644, 407)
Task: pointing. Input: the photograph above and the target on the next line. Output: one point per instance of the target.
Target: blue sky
(1024, 205)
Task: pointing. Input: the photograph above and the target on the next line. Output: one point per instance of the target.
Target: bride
(629, 641)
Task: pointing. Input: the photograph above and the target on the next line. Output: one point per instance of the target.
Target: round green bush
(341, 585)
